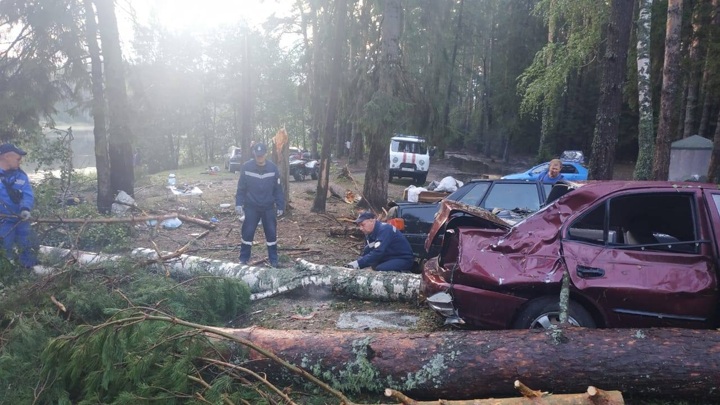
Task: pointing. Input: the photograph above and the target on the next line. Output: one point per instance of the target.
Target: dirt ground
(301, 233)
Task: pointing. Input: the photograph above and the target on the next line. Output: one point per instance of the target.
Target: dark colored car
(510, 200)
(638, 254)
(233, 159)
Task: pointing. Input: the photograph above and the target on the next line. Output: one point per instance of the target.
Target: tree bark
(669, 100)
(694, 70)
(267, 282)
(330, 119)
(646, 125)
(607, 120)
(714, 167)
(387, 106)
(481, 364)
(120, 151)
(105, 195)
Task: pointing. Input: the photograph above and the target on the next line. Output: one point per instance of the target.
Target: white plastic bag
(449, 184)
(413, 193)
(122, 204)
(171, 223)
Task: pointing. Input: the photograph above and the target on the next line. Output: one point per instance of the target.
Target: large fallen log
(667, 363)
(264, 282)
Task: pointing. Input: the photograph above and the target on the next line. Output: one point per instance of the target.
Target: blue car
(572, 171)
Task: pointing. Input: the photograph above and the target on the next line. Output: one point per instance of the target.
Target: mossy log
(460, 365)
(263, 281)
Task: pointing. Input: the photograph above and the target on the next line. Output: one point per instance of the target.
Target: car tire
(545, 311)
(314, 175)
(297, 177)
(421, 179)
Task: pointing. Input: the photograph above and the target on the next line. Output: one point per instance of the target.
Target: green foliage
(113, 362)
(578, 32)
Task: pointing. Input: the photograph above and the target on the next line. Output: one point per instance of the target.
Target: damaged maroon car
(638, 254)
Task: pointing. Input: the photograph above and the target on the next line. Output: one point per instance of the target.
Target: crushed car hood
(481, 218)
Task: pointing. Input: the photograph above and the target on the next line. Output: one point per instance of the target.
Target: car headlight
(395, 159)
(422, 162)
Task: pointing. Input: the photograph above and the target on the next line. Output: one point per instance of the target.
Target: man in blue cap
(16, 202)
(386, 248)
(259, 197)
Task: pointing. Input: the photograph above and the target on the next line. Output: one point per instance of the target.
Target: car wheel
(297, 177)
(421, 179)
(544, 312)
(390, 179)
(314, 175)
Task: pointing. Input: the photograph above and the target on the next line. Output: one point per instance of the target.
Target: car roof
(410, 138)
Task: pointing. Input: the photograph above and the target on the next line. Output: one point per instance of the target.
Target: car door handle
(590, 272)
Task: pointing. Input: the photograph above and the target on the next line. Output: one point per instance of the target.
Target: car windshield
(470, 194)
(408, 146)
(512, 196)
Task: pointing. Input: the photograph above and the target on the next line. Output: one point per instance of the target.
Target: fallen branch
(611, 398)
(197, 221)
(102, 220)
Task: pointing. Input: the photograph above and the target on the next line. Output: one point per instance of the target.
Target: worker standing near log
(16, 202)
(260, 198)
(386, 248)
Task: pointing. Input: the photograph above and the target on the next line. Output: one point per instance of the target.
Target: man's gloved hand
(24, 215)
(280, 212)
(353, 265)
(239, 210)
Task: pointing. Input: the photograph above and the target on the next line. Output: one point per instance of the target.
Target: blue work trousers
(269, 222)
(14, 232)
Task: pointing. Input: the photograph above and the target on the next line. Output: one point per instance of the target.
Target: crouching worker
(386, 248)
(16, 202)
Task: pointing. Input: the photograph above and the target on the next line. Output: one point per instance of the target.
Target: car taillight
(398, 223)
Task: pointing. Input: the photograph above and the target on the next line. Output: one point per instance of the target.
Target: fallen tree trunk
(265, 282)
(667, 363)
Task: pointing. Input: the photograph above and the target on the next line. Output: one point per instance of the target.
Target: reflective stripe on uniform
(271, 243)
(244, 242)
(258, 175)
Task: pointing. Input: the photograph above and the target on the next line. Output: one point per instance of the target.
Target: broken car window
(649, 221)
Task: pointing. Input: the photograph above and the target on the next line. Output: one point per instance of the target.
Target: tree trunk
(387, 104)
(646, 125)
(607, 120)
(480, 364)
(694, 70)
(714, 167)
(267, 282)
(668, 125)
(105, 195)
(330, 120)
(120, 151)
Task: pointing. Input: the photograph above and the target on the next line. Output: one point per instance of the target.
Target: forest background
(619, 80)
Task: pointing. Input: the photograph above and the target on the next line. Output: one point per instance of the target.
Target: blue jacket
(15, 182)
(384, 243)
(259, 186)
(545, 178)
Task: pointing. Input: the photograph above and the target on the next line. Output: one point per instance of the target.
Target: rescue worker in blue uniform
(386, 248)
(16, 202)
(259, 197)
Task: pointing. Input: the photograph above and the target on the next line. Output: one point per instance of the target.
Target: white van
(409, 157)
